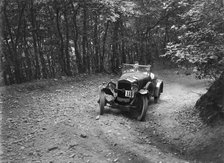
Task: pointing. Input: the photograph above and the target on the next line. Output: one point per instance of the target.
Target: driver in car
(136, 66)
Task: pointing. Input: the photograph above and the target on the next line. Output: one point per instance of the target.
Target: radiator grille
(123, 86)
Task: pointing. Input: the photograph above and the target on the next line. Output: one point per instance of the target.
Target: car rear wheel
(156, 99)
(102, 102)
(144, 108)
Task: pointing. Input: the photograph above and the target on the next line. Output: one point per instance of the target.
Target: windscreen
(135, 68)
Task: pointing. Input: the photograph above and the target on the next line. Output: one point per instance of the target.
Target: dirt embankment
(57, 121)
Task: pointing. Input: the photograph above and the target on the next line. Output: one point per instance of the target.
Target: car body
(133, 90)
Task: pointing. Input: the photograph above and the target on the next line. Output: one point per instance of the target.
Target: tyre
(156, 99)
(102, 102)
(144, 107)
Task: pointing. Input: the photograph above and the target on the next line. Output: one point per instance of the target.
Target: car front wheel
(144, 108)
(102, 102)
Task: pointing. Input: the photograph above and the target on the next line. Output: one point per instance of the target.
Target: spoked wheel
(102, 102)
(144, 108)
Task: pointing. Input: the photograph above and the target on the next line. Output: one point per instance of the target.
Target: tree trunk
(114, 57)
(123, 58)
(211, 104)
(166, 37)
(75, 39)
(96, 43)
(68, 64)
(8, 74)
(84, 39)
(104, 47)
(26, 56)
(1, 54)
(34, 36)
(61, 54)
(43, 64)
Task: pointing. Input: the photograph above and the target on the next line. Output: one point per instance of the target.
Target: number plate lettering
(129, 94)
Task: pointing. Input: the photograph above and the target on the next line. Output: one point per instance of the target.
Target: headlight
(134, 88)
(111, 85)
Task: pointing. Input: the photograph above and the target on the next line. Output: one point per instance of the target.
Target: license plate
(129, 94)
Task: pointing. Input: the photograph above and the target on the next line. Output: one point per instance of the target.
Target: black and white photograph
(112, 81)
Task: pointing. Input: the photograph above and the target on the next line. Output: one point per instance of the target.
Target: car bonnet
(133, 76)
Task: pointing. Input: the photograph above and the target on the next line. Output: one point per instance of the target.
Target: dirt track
(56, 122)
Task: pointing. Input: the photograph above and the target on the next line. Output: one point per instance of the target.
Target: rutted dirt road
(55, 121)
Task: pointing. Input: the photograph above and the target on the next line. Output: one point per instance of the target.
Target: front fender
(143, 91)
(148, 85)
(106, 88)
(107, 91)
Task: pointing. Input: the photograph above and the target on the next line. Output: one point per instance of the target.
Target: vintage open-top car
(133, 90)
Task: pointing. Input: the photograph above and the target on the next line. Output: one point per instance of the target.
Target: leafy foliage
(47, 39)
(200, 39)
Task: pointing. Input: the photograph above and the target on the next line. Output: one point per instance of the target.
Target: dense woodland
(45, 39)
(53, 38)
